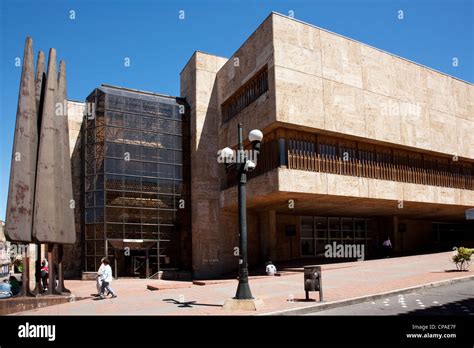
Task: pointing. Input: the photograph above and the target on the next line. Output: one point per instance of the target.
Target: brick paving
(340, 281)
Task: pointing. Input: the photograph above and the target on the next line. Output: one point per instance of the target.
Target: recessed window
(245, 95)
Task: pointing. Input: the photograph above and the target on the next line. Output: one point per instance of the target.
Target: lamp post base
(243, 305)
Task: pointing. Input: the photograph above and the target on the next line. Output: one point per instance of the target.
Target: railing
(328, 154)
(266, 161)
(396, 168)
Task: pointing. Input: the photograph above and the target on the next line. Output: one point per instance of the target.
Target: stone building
(359, 145)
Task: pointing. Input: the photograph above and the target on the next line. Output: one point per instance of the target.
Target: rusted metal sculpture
(40, 206)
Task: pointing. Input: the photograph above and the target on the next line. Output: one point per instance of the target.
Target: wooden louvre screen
(331, 155)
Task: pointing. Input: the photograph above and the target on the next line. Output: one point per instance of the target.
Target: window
(166, 141)
(133, 152)
(130, 179)
(114, 182)
(245, 95)
(166, 171)
(165, 155)
(132, 104)
(132, 121)
(166, 110)
(150, 184)
(114, 134)
(150, 124)
(149, 107)
(114, 102)
(132, 137)
(149, 139)
(114, 166)
(166, 126)
(114, 198)
(166, 201)
(115, 150)
(149, 169)
(132, 183)
(115, 231)
(114, 119)
(166, 186)
(133, 168)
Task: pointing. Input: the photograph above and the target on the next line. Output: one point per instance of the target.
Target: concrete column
(198, 85)
(268, 234)
(396, 238)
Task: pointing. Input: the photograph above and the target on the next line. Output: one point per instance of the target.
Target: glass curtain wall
(318, 231)
(133, 179)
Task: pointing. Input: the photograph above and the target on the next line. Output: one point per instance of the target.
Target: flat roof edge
(376, 48)
(139, 91)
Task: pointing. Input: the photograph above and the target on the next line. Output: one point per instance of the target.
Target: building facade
(359, 145)
(134, 177)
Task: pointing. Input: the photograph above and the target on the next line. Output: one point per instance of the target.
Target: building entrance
(137, 259)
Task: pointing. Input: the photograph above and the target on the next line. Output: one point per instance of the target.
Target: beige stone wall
(287, 248)
(199, 88)
(291, 180)
(418, 236)
(253, 55)
(74, 253)
(326, 81)
(75, 111)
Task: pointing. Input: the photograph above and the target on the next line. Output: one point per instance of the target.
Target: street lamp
(243, 165)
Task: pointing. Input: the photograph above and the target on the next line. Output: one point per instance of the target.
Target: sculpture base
(243, 305)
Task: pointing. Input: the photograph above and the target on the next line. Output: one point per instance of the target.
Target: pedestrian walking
(106, 279)
(98, 277)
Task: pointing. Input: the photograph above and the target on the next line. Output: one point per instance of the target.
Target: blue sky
(159, 43)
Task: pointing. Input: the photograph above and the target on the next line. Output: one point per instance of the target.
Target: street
(454, 299)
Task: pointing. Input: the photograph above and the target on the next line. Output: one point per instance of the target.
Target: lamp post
(243, 165)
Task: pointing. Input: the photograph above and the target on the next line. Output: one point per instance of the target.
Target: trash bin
(312, 281)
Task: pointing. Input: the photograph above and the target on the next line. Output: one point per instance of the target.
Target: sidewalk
(340, 281)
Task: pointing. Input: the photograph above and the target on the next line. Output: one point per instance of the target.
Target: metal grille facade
(133, 177)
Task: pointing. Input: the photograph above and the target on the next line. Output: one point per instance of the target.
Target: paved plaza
(341, 281)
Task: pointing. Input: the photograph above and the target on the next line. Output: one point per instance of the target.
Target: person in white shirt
(387, 247)
(106, 279)
(99, 273)
(270, 269)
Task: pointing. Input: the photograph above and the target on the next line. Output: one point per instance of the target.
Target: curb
(355, 300)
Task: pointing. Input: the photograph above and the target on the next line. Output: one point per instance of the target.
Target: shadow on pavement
(189, 304)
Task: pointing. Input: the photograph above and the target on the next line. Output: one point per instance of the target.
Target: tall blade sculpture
(39, 92)
(19, 215)
(40, 204)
